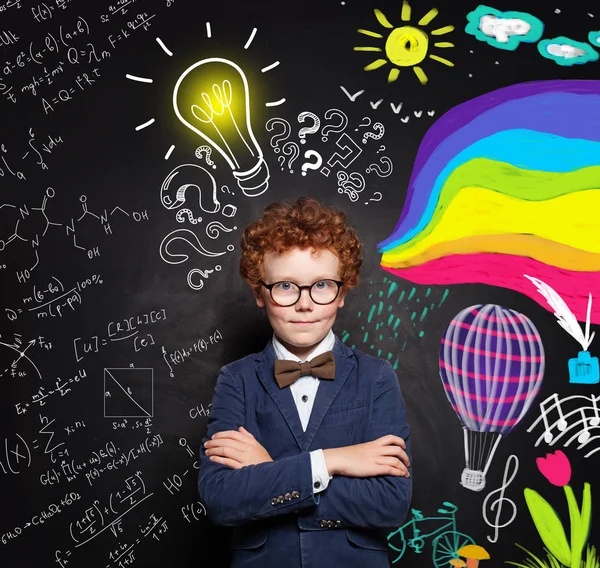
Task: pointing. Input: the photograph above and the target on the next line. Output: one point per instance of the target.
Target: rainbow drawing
(508, 184)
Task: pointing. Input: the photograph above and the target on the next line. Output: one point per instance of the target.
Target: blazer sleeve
(380, 501)
(237, 496)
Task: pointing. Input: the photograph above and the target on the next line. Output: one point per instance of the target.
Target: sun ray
(443, 44)
(369, 33)
(441, 60)
(367, 49)
(376, 64)
(420, 74)
(405, 14)
(428, 17)
(382, 19)
(442, 31)
(393, 75)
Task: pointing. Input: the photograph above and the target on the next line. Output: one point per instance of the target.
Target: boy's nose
(305, 299)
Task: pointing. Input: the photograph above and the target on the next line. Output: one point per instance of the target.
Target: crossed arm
(383, 463)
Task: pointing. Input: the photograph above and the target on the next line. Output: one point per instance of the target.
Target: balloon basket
(583, 369)
(472, 479)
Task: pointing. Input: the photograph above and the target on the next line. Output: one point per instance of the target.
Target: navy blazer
(277, 519)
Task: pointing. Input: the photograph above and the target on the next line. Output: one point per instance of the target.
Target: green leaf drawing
(548, 526)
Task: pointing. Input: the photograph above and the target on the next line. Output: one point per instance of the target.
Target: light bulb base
(254, 182)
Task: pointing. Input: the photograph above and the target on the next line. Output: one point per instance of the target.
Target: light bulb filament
(223, 95)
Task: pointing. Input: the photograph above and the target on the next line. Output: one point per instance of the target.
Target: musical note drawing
(498, 504)
(561, 423)
(578, 423)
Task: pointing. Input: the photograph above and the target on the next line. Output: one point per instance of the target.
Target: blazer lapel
(265, 365)
(328, 390)
(326, 393)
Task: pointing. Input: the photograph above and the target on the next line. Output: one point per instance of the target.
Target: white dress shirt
(304, 391)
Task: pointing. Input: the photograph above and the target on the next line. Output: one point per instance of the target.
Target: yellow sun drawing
(407, 46)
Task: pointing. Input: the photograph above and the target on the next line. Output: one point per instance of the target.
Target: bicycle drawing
(447, 540)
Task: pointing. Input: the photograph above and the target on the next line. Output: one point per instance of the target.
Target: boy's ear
(341, 298)
(259, 299)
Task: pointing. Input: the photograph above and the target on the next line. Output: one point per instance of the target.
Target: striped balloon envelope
(491, 365)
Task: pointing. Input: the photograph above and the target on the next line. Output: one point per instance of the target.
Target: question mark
(215, 227)
(191, 239)
(311, 165)
(377, 169)
(381, 149)
(185, 212)
(351, 184)
(208, 151)
(308, 129)
(184, 178)
(291, 148)
(229, 210)
(378, 126)
(329, 128)
(287, 129)
(371, 199)
(281, 160)
(361, 124)
(352, 151)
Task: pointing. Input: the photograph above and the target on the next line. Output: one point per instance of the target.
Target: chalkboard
(460, 139)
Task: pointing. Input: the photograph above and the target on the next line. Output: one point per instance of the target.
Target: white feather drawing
(566, 318)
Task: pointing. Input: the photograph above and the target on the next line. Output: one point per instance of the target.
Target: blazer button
(288, 496)
(323, 523)
(338, 524)
(274, 501)
(295, 494)
(330, 524)
(280, 499)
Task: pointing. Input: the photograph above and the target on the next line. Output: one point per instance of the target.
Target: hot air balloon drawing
(492, 366)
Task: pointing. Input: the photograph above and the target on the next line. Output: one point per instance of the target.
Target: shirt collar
(325, 344)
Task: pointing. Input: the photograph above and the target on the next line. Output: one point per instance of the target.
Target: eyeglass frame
(269, 287)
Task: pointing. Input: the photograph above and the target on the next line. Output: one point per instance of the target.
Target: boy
(307, 449)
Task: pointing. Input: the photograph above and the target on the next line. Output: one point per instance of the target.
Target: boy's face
(301, 326)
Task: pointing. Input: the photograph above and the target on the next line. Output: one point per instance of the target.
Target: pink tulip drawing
(556, 468)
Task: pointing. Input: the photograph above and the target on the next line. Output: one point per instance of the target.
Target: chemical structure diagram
(24, 217)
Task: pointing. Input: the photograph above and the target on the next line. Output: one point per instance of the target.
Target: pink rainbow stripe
(507, 271)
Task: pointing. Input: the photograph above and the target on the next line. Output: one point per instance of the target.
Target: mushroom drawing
(473, 554)
(459, 562)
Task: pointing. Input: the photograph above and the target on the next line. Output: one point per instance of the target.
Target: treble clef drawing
(497, 504)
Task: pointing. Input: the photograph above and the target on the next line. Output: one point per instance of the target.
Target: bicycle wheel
(446, 545)
(400, 541)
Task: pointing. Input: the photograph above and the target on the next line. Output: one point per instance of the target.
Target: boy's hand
(236, 449)
(384, 456)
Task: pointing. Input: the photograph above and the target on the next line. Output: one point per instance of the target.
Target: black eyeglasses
(285, 293)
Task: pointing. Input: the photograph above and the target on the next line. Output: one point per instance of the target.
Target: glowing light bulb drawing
(212, 99)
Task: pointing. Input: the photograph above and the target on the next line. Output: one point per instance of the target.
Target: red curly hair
(306, 223)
